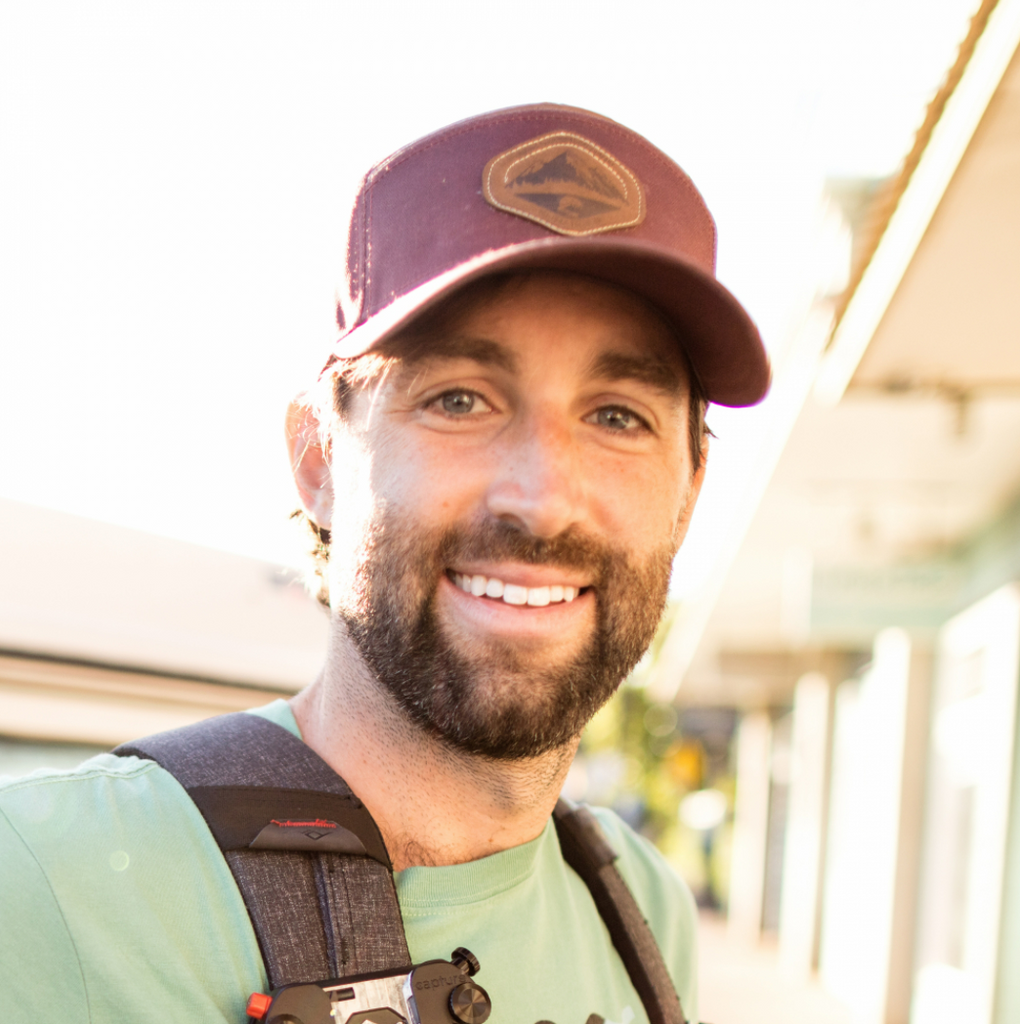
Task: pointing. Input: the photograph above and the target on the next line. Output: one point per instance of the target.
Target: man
(499, 463)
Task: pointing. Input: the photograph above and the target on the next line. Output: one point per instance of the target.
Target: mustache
(498, 540)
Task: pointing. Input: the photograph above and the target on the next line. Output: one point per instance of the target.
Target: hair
(342, 379)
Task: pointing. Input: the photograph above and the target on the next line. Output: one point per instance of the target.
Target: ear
(692, 496)
(309, 463)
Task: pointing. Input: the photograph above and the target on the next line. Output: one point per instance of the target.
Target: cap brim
(718, 337)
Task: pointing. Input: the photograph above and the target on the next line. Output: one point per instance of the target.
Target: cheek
(413, 473)
(642, 504)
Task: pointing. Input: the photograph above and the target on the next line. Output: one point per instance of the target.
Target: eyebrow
(653, 372)
(462, 346)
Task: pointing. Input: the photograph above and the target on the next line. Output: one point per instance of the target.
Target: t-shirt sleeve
(666, 902)
(40, 976)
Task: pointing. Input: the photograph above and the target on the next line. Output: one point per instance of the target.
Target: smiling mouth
(511, 593)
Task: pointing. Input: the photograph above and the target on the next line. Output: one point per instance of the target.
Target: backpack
(313, 870)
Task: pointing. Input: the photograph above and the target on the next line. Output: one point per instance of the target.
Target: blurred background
(823, 736)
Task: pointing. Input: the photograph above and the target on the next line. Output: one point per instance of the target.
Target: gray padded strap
(316, 915)
(239, 749)
(323, 917)
(586, 850)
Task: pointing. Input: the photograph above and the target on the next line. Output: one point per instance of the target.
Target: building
(868, 629)
(107, 634)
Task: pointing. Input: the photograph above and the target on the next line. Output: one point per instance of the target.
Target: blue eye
(618, 419)
(457, 403)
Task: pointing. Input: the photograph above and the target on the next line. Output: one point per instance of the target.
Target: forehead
(547, 318)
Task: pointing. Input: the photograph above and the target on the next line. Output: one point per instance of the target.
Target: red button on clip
(258, 1005)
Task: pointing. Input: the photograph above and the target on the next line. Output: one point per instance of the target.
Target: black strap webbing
(272, 803)
(316, 881)
(585, 849)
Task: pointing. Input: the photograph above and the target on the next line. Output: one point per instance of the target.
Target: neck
(433, 804)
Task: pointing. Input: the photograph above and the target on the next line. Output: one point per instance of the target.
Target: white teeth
(511, 593)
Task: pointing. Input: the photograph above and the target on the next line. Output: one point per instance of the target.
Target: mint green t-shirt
(116, 907)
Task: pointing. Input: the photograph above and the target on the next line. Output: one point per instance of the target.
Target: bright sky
(176, 179)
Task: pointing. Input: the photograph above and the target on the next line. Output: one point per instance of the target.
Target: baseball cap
(552, 187)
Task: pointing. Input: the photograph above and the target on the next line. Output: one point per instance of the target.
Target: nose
(538, 480)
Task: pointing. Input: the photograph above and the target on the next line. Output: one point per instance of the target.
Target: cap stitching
(358, 233)
(367, 300)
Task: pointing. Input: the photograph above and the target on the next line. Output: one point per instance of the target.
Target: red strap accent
(258, 1005)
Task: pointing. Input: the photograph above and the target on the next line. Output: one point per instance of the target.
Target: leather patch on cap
(565, 183)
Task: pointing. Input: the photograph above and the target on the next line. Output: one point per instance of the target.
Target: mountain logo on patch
(565, 183)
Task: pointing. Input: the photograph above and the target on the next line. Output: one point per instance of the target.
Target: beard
(495, 698)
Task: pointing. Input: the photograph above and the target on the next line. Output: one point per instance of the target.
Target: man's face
(507, 508)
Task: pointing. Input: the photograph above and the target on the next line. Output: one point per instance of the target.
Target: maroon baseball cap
(544, 187)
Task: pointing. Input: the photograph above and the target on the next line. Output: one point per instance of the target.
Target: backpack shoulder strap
(313, 870)
(308, 859)
(586, 850)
